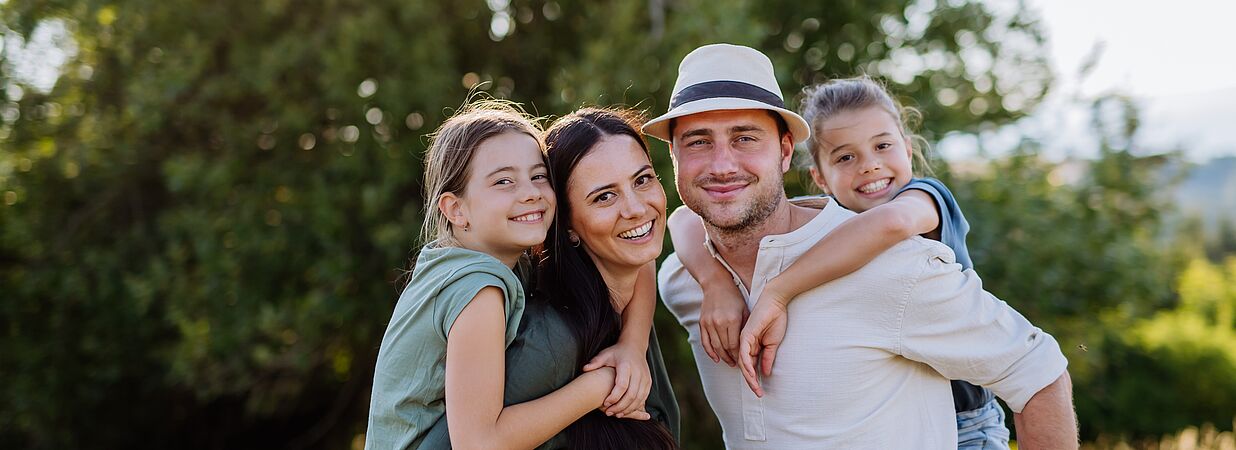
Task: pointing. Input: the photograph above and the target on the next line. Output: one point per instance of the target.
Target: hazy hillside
(1209, 191)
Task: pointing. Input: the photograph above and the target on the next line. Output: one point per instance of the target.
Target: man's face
(729, 166)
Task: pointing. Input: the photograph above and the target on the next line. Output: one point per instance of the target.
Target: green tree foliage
(1078, 247)
(203, 218)
(1177, 368)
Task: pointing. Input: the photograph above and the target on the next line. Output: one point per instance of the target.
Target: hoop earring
(574, 238)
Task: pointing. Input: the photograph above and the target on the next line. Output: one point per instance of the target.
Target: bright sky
(1175, 57)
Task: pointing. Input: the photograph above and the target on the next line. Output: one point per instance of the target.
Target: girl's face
(863, 159)
(617, 203)
(508, 202)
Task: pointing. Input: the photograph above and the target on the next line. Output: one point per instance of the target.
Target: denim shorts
(982, 428)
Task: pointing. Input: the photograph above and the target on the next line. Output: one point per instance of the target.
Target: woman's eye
(883, 146)
(503, 181)
(643, 179)
(540, 177)
(604, 197)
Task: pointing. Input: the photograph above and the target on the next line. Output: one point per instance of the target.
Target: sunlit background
(206, 205)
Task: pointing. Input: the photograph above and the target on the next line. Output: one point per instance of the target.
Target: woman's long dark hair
(572, 284)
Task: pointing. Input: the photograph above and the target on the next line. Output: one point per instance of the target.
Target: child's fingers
(766, 359)
(707, 342)
(747, 354)
(719, 335)
(714, 339)
(731, 346)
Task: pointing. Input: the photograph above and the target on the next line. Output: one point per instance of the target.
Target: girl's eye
(540, 177)
(845, 158)
(503, 181)
(883, 146)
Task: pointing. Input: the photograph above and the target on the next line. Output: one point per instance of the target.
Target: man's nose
(724, 160)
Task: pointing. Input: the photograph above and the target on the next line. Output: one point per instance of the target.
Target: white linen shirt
(866, 358)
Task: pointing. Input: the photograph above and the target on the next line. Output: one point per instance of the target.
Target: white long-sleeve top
(867, 358)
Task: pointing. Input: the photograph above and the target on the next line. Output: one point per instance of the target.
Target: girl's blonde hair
(825, 101)
(451, 149)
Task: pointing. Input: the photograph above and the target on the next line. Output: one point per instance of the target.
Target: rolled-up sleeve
(966, 333)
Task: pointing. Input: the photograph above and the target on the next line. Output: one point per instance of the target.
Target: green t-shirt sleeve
(458, 293)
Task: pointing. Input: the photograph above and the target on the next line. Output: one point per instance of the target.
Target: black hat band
(725, 89)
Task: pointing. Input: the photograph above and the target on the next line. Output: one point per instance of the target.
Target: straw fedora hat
(723, 77)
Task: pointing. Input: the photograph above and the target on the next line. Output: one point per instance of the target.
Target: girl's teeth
(873, 186)
(528, 217)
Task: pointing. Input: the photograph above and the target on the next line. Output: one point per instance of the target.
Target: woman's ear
(453, 208)
(819, 179)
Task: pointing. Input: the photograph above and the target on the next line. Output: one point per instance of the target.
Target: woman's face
(617, 203)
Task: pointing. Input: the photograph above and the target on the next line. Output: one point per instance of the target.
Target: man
(866, 359)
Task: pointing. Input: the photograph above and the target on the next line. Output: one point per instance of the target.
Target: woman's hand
(722, 314)
(761, 337)
(632, 379)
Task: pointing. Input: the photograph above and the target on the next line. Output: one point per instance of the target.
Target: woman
(598, 255)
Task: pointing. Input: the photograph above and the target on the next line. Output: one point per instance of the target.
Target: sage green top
(409, 382)
(542, 359)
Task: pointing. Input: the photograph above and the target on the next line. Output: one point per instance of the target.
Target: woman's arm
(724, 309)
(475, 374)
(628, 356)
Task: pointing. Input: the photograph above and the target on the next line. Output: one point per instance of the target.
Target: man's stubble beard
(755, 213)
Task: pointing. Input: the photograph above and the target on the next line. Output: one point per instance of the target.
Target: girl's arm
(847, 248)
(628, 356)
(723, 310)
(475, 374)
(855, 243)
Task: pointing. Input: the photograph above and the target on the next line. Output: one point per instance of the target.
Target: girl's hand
(722, 315)
(632, 380)
(763, 334)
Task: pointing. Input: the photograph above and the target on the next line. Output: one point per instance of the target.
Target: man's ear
(787, 152)
(454, 209)
(819, 179)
